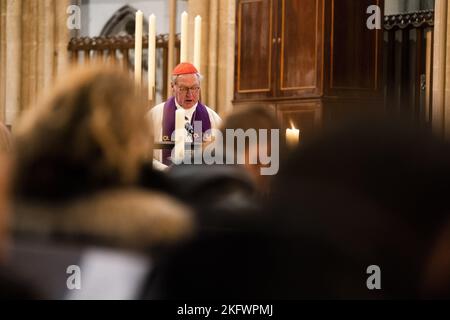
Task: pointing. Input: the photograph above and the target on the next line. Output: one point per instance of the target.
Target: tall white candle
(180, 136)
(138, 48)
(151, 56)
(198, 42)
(184, 37)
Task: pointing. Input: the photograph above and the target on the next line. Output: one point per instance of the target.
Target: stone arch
(122, 22)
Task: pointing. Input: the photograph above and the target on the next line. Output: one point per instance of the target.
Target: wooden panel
(254, 46)
(408, 63)
(316, 59)
(389, 70)
(343, 111)
(398, 80)
(301, 25)
(355, 50)
(305, 115)
(429, 64)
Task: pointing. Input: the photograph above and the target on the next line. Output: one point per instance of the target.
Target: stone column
(225, 81)
(47, 44)
(171, 44)
(34, 38)
(439, 66)
(2, 59)
(27, 74)
(40, 45)
(13, 59)
(213, 52)
(33, 66)
(218, 51)
(62, 34)
(201, 8)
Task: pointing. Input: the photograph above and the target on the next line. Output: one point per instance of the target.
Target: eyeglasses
(185, 90)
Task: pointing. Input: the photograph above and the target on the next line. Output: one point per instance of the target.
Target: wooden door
(255, 50)
(353, 53)
(300, 47)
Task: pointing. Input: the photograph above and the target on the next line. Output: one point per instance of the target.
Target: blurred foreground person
(360, 208)
(238, 187)
(82, 227)
(356, 214)
(11, 285)
(232, 254)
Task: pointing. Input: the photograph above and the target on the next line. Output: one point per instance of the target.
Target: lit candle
(180, 136)
(151, 56)
(184, 37)
(138, 48)
(292, 137)
(198, 42)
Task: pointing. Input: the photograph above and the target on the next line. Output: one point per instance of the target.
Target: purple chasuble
(200, 114)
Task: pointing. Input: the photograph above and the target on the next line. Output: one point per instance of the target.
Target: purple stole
(200, 114)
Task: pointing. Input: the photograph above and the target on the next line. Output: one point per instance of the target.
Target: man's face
(187, 90)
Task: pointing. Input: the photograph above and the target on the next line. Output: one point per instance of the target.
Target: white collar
(179, 106)
(190, 111)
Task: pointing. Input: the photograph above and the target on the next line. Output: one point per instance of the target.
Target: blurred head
(254, 117)
(90, 133)
(186, 85)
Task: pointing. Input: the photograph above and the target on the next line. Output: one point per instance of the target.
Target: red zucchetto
(184, 68)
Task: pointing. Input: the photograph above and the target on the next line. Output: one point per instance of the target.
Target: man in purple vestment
(186, 95)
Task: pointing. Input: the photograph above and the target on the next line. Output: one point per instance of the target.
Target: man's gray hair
(198, 75)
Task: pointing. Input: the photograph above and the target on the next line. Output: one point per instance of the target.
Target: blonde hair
(91, 129)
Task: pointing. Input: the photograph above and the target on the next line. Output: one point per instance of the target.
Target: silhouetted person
(367, 195)
(372, 193)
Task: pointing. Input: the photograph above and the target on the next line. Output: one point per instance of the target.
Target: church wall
(225, 87)
(13, 59)
(218, 51)
(34, 38)
(2, 59)
(401, 6)
(96, 13)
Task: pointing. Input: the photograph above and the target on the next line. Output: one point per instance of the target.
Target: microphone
(189, 128)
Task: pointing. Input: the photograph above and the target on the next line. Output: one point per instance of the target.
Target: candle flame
(292, 125)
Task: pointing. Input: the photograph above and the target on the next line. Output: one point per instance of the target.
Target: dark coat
(123, 230)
